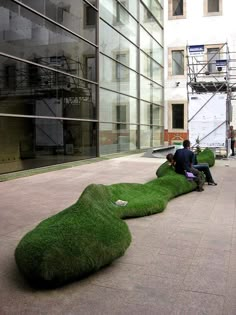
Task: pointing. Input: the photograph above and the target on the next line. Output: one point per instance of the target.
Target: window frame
(170, 11)
(176, 117)
(206, 13)
(220, 53)
(10, 79)
(121, 5)
(117, 64)
(170, 116)
(86, 8)
(86, 64)
(121, 125)
(170, 63)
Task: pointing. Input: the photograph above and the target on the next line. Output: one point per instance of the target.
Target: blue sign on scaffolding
(196, 49)
(221, 62)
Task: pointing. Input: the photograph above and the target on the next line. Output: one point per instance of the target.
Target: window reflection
(151, 92)
(46, 44)
(116, 14)
(112, 44)
(155, 8)
(151, 69)
(122, 73)
(145, 137)
(90, 16)
(30, 143)
(177, 62)
(57, 79)
(151, 114)
(157, 136)
(31, 90)
(150, 46)
(69, 14)
(115, 107)
(148, 21)
(117, 138)
(116, 77)
(151, 136)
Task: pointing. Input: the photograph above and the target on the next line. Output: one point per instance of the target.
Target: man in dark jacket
(184, 159)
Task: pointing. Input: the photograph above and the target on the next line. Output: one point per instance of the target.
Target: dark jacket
(183, 160)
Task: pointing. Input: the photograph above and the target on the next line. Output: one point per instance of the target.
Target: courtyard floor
(182, 261)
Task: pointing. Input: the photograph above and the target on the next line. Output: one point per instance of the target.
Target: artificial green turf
(206, 156)
(90, 234)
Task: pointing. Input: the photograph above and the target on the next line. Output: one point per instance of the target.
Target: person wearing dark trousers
(232, 138)
(204, 167)
(183, 161)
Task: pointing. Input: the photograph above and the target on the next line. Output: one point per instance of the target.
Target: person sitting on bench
(183, 161)
(204, 167)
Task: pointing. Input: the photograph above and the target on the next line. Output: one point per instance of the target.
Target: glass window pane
(151, 69)
(157, 136)
(177, 116)
(213, 54)
(93, 2)
(157, 53)
(30, 90)
(178, 8)
(119, 18)
(150, 91)
(117, 77)
(69, 14)
(157, 115)
(213, 6)
(122, 14)
(145, 137)
(45, 43)
(151, 114)
(155, 9)
(145, 113)
(178, 62)
(151, 136)
(30, 143)
(112, 43)
(150, 46)
(115, 107)
(148, 22)
(90, 16)
(117, 138)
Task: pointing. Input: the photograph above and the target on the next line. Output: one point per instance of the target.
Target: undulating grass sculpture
(206, 156)
(91, 233)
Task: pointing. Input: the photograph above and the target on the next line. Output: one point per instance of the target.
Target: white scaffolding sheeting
(207, 121)
(211, 88)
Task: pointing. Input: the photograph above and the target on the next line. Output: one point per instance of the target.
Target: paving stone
(181, 261)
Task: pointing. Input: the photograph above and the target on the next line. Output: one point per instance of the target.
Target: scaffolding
(211, 71)
(27, 80)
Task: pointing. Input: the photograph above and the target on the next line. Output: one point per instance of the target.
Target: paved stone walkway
(182, 261)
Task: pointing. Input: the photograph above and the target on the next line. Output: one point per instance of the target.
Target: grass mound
(90, 234)
(75, 242)
(206, 156)
(165, 169)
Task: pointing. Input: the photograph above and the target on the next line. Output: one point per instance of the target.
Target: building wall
(130, 75)
(48, 95)
(195, 28)
(79, 79)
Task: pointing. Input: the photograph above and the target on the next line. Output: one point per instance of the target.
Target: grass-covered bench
(91, 233)
(206, 156)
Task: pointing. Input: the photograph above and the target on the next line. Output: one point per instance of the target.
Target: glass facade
(79, 79)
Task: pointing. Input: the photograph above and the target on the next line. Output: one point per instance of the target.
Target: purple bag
(190, 176)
